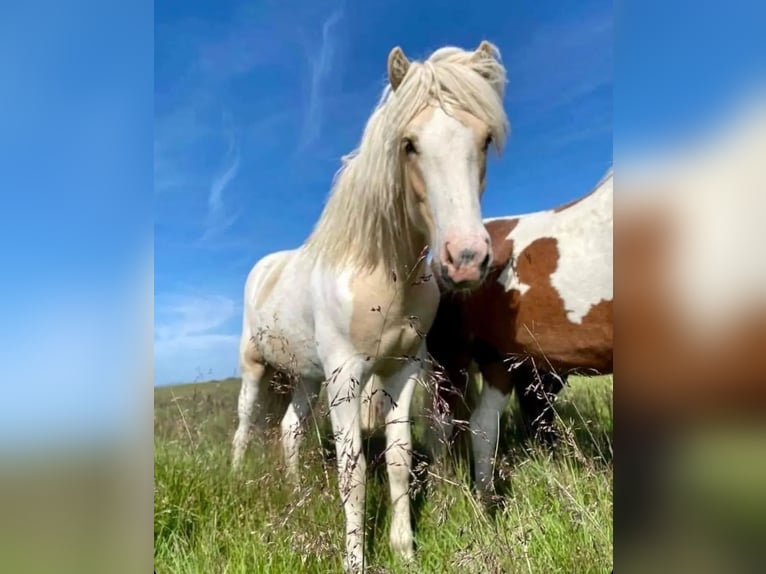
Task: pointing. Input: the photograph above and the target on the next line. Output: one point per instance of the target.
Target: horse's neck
(398, 280)
(410, 259)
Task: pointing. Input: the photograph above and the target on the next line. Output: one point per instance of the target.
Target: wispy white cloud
(183, 318)
(218, 221)
(193, 334)
(321, 65)
(178, 135)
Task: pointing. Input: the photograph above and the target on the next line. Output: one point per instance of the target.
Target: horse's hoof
(402, 545)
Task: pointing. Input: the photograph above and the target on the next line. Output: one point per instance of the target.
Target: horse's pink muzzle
(465, 262)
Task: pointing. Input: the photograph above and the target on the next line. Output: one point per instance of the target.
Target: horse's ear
(485, 58)
(486, 50)
(398, 64)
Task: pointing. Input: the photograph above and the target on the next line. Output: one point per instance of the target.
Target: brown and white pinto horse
(544, 312)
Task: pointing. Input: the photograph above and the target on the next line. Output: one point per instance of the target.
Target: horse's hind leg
(252, 374)
(303, 398)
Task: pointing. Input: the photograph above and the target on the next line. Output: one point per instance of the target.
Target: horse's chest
(388, 327)
(394, 346)
(402, 337)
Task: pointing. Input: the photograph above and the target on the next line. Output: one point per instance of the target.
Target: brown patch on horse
(556, 340)
(417, 196)
(250, 357)
(497, 328)
(502, 247)
(391, 316)
(539, 325)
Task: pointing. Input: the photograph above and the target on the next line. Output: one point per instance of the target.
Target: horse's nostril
(467, 256)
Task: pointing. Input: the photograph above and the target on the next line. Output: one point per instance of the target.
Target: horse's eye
(488, 142)
(409, 147)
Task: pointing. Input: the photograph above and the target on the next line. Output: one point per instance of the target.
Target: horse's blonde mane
(365, 219)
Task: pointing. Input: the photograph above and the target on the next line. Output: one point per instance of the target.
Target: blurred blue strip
(76, 162)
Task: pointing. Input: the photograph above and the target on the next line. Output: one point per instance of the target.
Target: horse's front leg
(344, 388)
(485, 425)
(400, 387)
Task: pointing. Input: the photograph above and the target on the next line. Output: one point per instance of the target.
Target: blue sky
(76, 104)
(255, 102)
(679, 65)
(93, 118)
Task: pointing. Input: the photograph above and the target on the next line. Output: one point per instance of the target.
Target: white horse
(357, 297)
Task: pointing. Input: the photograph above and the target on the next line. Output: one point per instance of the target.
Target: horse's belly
(292, 355)
(286, 341)
(575, 347)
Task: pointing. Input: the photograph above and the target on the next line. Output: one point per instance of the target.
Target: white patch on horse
(261, 272)
(445, 141)
(583, 234)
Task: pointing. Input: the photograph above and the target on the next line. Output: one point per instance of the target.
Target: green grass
(555, 514)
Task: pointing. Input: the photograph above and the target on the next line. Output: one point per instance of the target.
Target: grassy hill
(555, 514)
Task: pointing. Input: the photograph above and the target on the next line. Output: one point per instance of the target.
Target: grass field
(555, 515)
